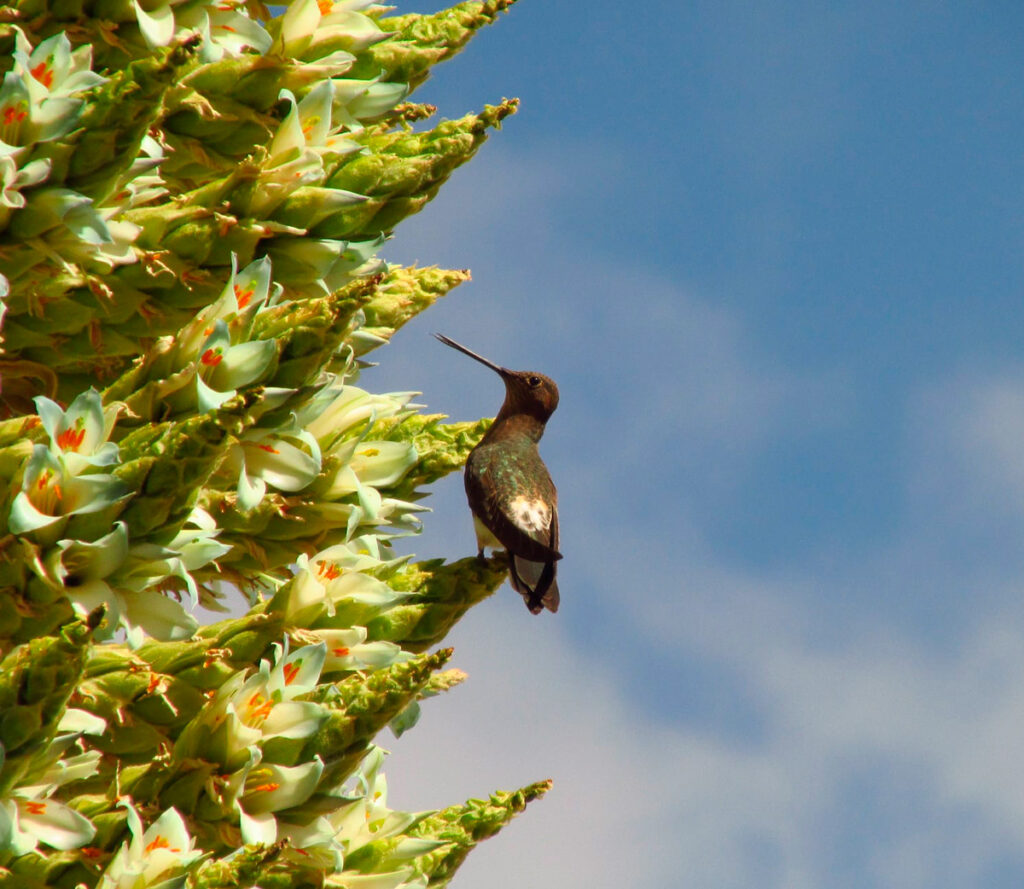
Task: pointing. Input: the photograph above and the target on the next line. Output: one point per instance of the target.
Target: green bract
(193, 197)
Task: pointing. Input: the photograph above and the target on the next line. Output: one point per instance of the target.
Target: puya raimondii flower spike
(193, 195)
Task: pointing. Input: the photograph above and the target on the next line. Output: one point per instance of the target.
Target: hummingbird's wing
(536, 581)
(524, 525)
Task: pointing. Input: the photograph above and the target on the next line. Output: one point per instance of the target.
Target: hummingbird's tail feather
(535, 582)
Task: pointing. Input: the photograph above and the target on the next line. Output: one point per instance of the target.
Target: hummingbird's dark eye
(533, 381)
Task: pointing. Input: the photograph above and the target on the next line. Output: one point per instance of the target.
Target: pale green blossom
(331, 577)
(53, 70)
(246, 711)
(157, 857)
(25, 822)
(258, 790)
(50, 494)
(223, 367)
(79, 434)
(107, 572)
(347, 649)
(365, 818)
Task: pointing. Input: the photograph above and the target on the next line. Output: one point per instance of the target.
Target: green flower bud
(421, 41)
(441, 595)
(245, 867)
(406, 169)
(161, 461)
(218, 652)
(251, 79)
(361, 706)
(309, 332)
(36, 680)
(442, 448)
(404, 293)
(462, 827)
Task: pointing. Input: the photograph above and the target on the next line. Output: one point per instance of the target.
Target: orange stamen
(71, 439)
(268, 449)
(290, 672)
(244, 297)
(212, 357)
(270, 785)
(14, 113)
(328, 570)
(43, 73)
(313, 120)
(260, 706)
(35, 807)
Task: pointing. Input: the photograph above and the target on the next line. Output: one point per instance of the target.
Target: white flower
(79, 434)
(366, 818)
(160, 856)
(376, 464)
(13, 179)
(50, 493)
(248, 711)
(53, 70)
(347, 649)
(26, 821)
(330, 578)
(261, 789)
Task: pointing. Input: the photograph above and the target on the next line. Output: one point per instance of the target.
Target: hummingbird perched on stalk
(511, 495)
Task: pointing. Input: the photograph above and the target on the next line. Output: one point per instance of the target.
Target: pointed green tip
(405, 292)
(493, 115)
(442, 594)
(537, 790)
(462, 827)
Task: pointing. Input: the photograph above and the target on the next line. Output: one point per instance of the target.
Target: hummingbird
(511, 495)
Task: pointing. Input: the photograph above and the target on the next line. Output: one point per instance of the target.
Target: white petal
(156, 26)
(54, 823)
(294, 719)
(259, 828)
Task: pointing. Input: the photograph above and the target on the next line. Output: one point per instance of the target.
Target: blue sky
(774, 258)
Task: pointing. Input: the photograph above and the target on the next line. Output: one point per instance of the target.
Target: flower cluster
(29, 815)
(42, 101)
(192, 198)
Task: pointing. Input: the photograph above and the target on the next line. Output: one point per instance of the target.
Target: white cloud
(878, 759)
(878, 756)
(655, 379)
(980, 423)
(640, 800)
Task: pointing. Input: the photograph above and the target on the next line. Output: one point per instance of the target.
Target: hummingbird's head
(526, 391)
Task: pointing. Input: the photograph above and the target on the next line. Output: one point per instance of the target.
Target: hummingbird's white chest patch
(530, 515)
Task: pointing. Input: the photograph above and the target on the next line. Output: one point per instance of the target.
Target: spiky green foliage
(192, 197)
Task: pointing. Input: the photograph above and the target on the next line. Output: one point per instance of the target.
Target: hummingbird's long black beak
(501, 370)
